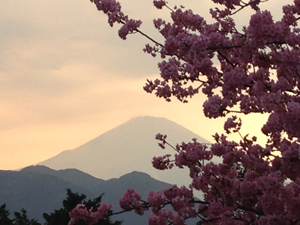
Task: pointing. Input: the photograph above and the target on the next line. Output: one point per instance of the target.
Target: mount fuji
(126, 148)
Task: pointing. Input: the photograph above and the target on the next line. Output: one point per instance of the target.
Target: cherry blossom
(255, 69)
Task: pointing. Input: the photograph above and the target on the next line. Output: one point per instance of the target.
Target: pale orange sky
(66, 77)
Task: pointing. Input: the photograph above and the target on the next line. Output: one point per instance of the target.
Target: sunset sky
(66, 77)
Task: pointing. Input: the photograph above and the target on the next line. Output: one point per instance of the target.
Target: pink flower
(251, 70)
(131, 201)
(214, 107)
(129, 27)
(90, 217)
(159, 3)
(162, 162)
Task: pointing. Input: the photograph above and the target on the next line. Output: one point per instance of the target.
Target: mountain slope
(126, 148)
(41, 190)
(73, 176)
(35, 192)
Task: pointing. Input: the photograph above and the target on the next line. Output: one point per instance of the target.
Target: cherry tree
(254, 69)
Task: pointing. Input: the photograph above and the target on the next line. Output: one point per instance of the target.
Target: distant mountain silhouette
(126, 148)
(36, 192)
(73, 176)
(39, 190)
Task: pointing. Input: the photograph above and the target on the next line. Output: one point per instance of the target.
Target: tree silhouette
(4, 219)
(21, 218)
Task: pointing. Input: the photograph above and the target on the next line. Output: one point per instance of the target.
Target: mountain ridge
(125, 148)
(39, 190)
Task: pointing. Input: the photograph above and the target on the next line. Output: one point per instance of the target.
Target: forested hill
(39, 189)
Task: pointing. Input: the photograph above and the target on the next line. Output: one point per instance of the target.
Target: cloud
(60, 61)
(66, 77)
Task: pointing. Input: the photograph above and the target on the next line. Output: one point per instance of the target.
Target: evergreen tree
(21, 218)
(4, 220)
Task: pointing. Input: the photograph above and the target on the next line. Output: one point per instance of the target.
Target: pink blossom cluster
(245, 79)
(131, 200)
(89, 216)
(112, 9)
(181, 200)
(159, 3)
(251, 70)
(246, 187)
(232, 124)
(162, 162)
(188, 154)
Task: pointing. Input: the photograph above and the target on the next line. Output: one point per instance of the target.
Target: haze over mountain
(126, 148)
